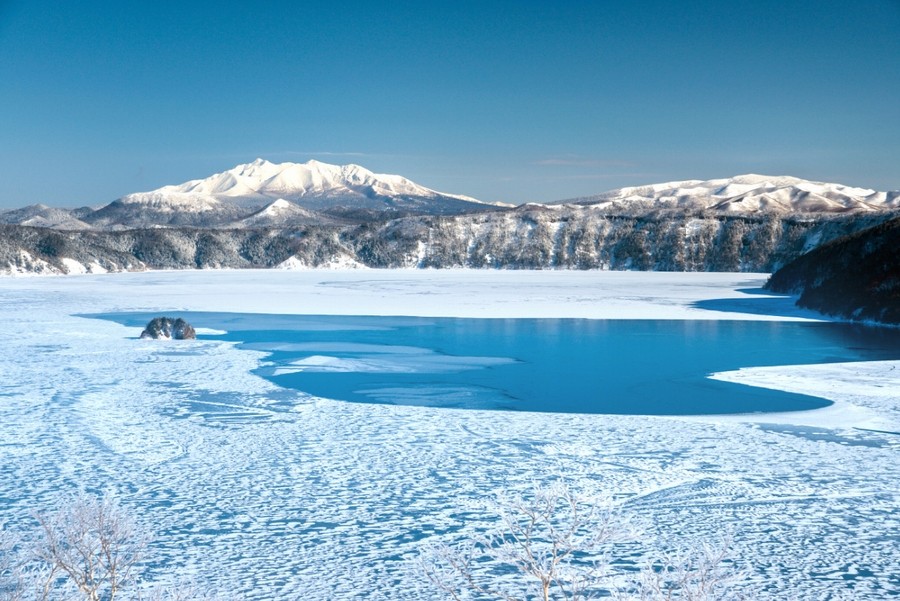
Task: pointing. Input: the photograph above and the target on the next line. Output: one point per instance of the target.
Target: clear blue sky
(511, 101)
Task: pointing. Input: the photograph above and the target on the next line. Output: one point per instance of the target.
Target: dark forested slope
(854, 277)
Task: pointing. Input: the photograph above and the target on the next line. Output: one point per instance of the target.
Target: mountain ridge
(261, 179)
(745, 194)
(318, 192)
(227, 198)
(527, 238)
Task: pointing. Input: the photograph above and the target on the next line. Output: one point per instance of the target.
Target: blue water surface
(644, 367)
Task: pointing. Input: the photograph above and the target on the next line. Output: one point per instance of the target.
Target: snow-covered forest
(531, 237)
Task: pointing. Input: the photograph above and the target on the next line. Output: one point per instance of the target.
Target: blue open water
(645, 367)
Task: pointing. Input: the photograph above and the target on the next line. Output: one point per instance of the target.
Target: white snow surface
(275, 214)
(262, 180)
(338, 261)
(272, 494)
(749, 193)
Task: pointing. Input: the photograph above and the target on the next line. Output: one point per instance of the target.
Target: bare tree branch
(555, 538)
(94, 543)
(560, 542)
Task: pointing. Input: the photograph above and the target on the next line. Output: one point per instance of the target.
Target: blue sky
(509, 101)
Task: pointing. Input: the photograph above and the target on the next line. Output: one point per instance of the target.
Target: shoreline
(559, 294)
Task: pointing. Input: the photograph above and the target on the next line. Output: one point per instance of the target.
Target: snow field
(272, 494)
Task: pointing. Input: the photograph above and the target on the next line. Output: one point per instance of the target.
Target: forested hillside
(854, 277)
(530, 237)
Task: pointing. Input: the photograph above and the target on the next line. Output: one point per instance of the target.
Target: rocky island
(166, 328)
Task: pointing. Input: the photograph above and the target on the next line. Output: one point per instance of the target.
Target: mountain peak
(311, 185)
(759, 179)
(251, 166)
(748, 193)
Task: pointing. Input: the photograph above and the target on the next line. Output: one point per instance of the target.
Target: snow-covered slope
(263, 194)
(746, 194)
(43, 216)
(282, 213)
(239, 192)
(155, 209)
(567, 237)
(312, 179)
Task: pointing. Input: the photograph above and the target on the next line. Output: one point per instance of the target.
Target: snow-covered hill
(43, 216)
(299, 181)
(745, 194)
(236, 194)
(282, 213)
(565, 237)
(267, 195)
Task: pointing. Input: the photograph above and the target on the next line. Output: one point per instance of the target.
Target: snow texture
(749, 193)
(297, 179)
(272, 494)
(263, 194)
(312, 184)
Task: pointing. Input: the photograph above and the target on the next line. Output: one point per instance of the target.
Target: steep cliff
(530, 237)
(853, 277)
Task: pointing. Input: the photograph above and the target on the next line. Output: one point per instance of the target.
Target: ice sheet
(434, 293)
(271, 494)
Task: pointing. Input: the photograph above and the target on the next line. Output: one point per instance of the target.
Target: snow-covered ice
(272, 494)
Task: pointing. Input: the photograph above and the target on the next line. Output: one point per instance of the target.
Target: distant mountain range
(315, 215)
(745, 194)
(263, 194)
(43, 216)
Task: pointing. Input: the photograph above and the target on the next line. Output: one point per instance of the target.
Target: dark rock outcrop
(168, 328)
(853, 277)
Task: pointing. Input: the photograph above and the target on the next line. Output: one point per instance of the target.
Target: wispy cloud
(580, 161)
(600, 176)
(583, 162)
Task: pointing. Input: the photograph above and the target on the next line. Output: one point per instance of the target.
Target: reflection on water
(654, 367)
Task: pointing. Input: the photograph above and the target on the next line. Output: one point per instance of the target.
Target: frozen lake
(270, 493)
(638, 367)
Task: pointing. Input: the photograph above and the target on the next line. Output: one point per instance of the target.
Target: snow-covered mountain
(745, 194)
(267, 195)
(43, 216)
(233, 195)
(282, 213)
(301, 182)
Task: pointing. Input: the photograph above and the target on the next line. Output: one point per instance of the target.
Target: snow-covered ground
(272, 494)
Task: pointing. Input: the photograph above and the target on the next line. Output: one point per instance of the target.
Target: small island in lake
(167, 328)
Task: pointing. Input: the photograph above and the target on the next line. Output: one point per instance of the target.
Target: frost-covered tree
(550, 545)
(92, 545)
(89, 549)
(557, 544)
(699, 573)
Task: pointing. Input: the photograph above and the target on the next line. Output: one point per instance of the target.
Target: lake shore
(267, 492)
(863, 400)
